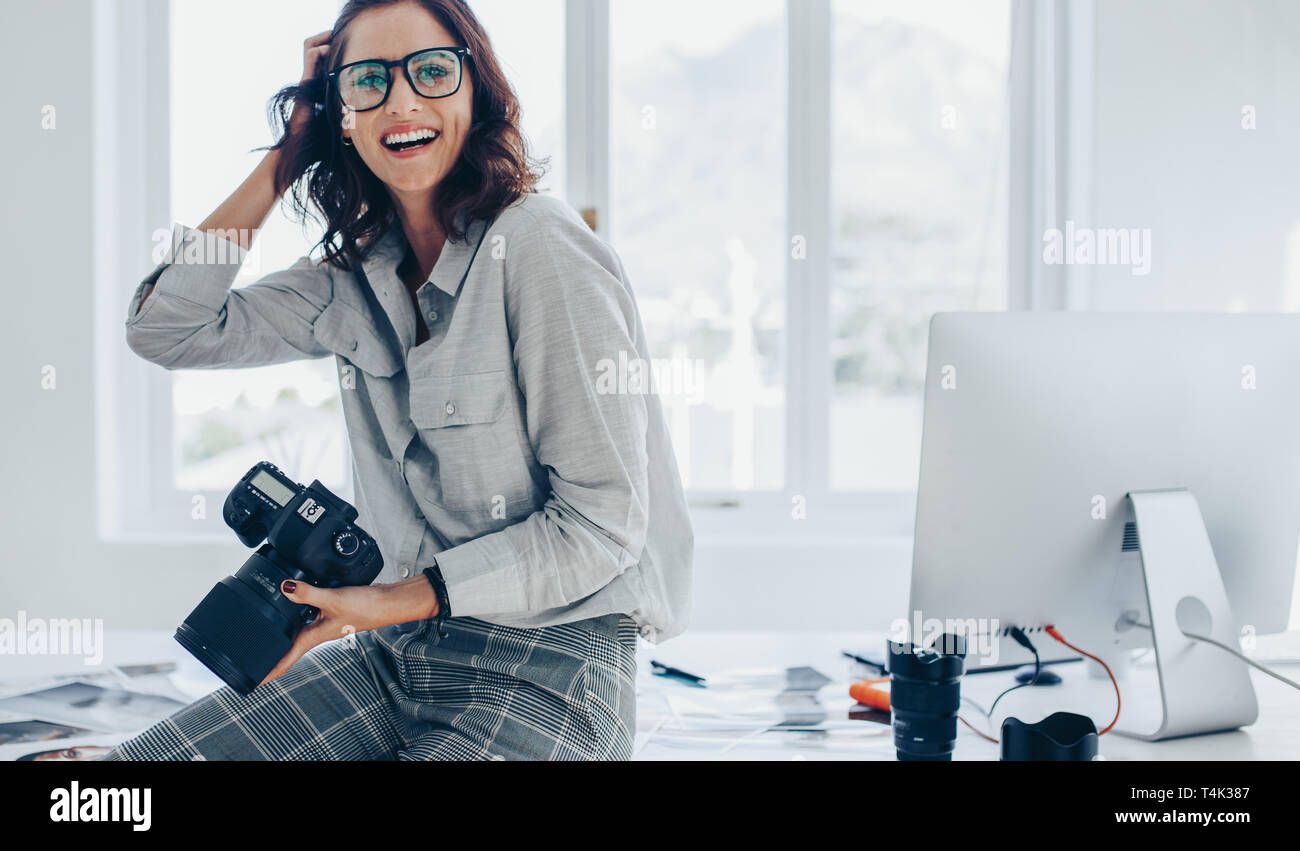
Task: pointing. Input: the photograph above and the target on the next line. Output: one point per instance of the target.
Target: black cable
(1023, 640)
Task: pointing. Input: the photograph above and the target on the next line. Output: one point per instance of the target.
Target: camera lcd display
(268, 485)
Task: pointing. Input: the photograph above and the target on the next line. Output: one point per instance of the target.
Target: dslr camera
(245, 625)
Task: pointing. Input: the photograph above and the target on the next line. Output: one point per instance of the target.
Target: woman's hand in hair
(314, 51)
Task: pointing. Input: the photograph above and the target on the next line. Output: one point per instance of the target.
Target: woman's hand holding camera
(345, 611)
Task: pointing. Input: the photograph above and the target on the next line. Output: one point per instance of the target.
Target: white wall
(54, 566)
(1172, 154)
(1222, 202)
(1223, 205)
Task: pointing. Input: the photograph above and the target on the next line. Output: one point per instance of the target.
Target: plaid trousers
(485, 691)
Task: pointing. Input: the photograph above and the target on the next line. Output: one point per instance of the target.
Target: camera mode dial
(346, 544)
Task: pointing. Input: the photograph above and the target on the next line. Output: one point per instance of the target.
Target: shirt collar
(453, 263)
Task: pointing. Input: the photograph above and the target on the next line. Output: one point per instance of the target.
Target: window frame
(1049, 99)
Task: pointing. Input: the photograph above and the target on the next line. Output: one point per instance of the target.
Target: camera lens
(244, 626)
(924, 697)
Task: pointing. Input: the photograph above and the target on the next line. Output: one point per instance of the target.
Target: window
(779, 378)
(698, 204)
(919, 212)
(225, 421)
(529, 41)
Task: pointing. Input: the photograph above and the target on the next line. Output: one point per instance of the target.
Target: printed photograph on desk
(746, 384)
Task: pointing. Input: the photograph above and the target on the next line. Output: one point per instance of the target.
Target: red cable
(1051, 630)
(979, 733)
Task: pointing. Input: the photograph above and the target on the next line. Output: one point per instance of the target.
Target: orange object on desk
(866, 694)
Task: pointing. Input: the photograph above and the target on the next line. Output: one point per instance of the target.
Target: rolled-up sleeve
(571, 317)
(192, 319)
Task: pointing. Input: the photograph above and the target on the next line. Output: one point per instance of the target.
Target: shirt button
(450, 409)
(433, 316)
(406, 571)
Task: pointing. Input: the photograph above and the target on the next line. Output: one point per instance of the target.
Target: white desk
(1276, 735)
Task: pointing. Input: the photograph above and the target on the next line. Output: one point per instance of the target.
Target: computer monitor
(1068, 461)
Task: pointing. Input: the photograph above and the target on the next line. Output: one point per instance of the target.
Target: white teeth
(413, 136)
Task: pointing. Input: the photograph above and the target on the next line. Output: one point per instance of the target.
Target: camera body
(245, 624)
(309, 526)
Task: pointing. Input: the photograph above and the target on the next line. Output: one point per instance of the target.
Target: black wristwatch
(434, 575)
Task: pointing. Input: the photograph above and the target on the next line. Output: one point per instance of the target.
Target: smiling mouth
(398, 142)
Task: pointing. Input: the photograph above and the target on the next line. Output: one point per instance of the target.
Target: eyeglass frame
(460, 52)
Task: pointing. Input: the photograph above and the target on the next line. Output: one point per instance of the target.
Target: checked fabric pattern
(484, 692)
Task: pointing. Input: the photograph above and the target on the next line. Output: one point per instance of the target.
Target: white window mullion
(587, 110)
(808, 262)
(1021, 266)
(1077, 40)
(131, 200)
(158, 207)
(1051, 97)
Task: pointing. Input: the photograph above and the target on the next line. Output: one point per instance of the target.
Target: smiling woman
(354, 177)
(530, 525)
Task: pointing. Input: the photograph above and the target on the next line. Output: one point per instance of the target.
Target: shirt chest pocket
(465, 423)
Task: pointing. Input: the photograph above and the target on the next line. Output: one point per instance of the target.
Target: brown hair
(493, 171)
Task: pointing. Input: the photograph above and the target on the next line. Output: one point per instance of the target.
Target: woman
(531, 525)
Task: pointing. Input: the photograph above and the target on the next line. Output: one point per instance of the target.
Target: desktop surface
(730, 720)
(1272, 737)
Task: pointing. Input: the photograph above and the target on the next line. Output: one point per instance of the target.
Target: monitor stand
(1202, 689)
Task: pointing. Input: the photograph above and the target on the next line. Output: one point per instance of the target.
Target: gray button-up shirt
(547, 494)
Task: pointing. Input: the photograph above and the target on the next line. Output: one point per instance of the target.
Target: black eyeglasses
(435, 72)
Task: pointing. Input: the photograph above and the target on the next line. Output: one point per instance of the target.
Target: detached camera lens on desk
(924, 696)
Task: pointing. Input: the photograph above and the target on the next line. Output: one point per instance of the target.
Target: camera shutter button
(346, 544)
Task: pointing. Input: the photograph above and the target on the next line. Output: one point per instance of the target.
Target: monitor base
(1201, 688)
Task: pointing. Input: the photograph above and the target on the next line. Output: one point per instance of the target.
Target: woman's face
(391, 33)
